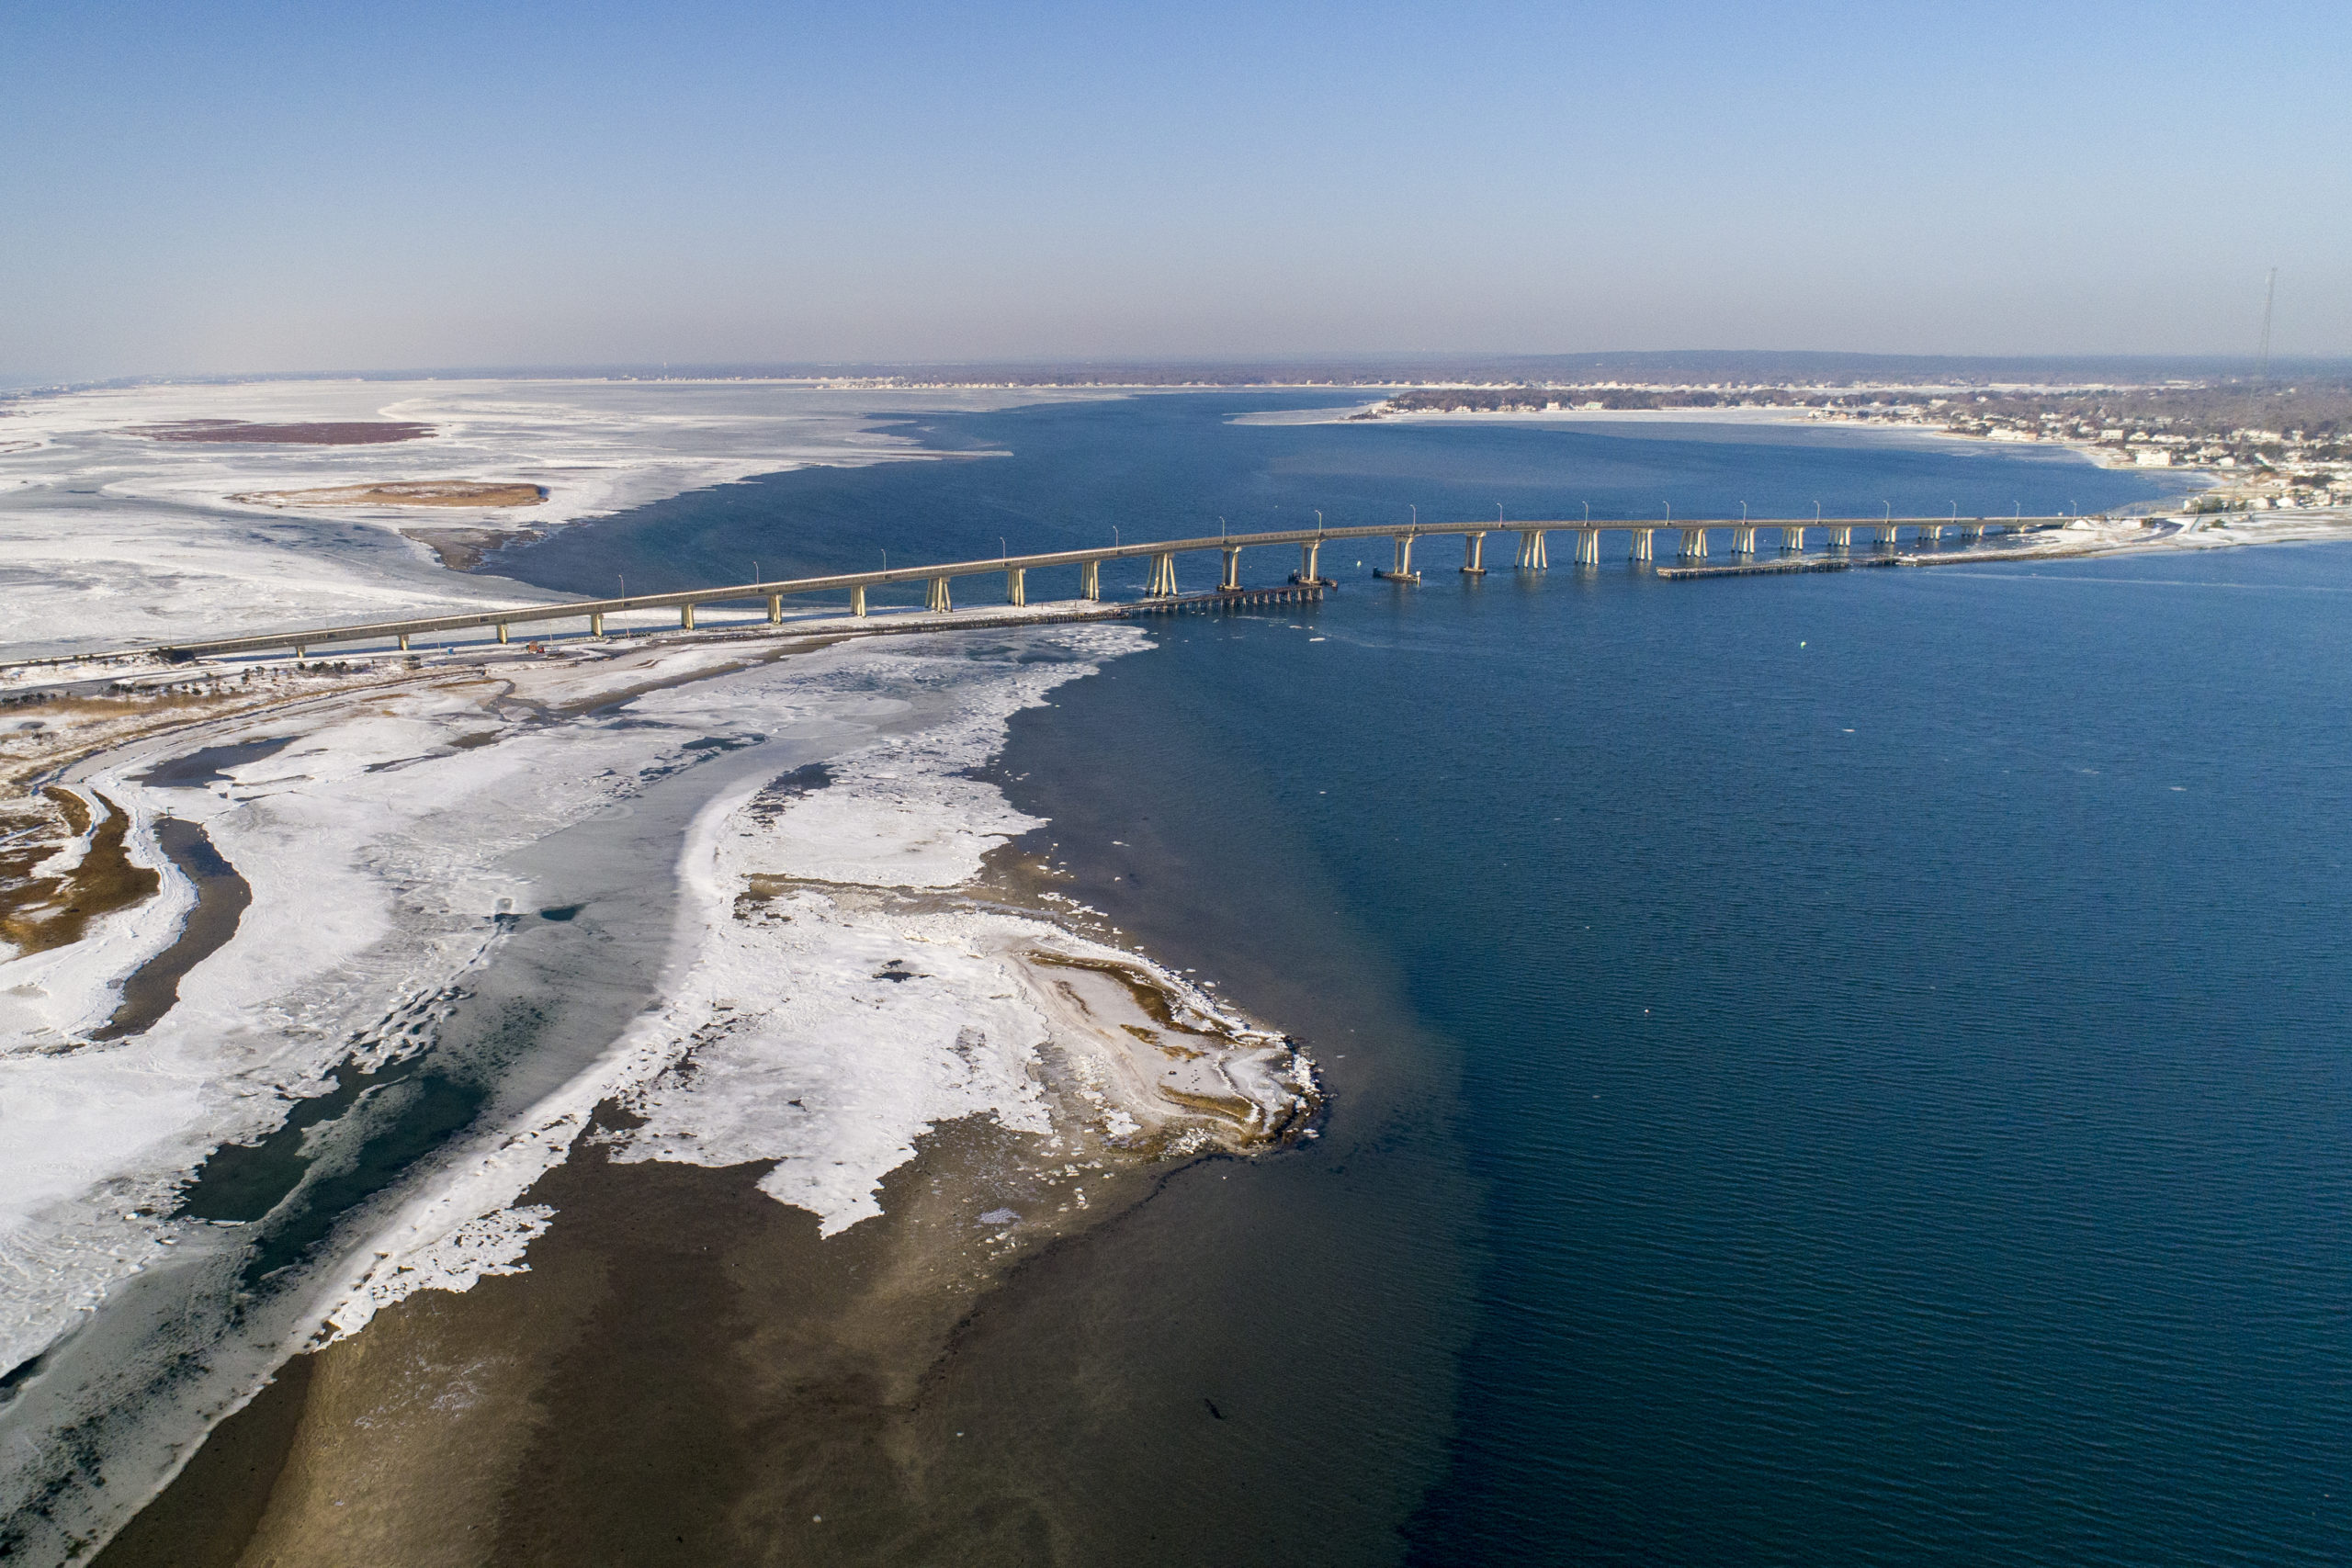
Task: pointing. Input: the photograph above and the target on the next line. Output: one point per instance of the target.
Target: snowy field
(111, 540)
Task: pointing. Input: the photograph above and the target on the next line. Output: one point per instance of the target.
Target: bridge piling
(937, 601)
(857, 600)
(685, 618)
(1694, 543)
(1588, 546)
(1163, 583)
(501, 637)
(1310, 556)
(1016, 586)
(1089, 579)
(1473, 552)
(1531, 552)
(1792, 537)
(775, 609)
(1643, 547)
(1841, 537)
(1743, 540)
(1229, 581)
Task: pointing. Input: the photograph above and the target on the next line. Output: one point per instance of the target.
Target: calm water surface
(1836, 1069)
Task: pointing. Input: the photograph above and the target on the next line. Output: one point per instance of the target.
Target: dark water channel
(221, 900)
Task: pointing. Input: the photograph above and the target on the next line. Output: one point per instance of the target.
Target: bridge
(1533, 554)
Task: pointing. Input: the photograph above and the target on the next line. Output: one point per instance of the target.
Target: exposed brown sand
(461, 549)
(404, 492)
(686, 1374)
(347, 432)
(38, 913)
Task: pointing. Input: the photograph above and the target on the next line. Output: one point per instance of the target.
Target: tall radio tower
(2270, 291)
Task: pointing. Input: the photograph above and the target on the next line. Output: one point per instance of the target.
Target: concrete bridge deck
(1882, 533)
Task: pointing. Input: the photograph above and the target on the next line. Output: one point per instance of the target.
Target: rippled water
(1829, 1069)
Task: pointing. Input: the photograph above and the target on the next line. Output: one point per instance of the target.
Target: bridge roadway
(1533, 554)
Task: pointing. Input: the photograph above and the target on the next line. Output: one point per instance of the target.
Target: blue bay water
(1829, 1069)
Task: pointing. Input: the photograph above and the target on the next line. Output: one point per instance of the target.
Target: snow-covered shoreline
(816, 992)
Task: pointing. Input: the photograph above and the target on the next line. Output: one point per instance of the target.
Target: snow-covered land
(111, 538)
(732, 885)
(773, 845)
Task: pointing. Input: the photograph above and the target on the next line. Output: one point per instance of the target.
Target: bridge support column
(1792, 537)
(1163, 583)
(1743, 540)
(1642, 548)
(1016, 586)
(1886, 533)
(1402, 571)
(404, 642)
(1974, 533)
(1473, 553)
(1694, 543)
(1933, 533)
(1841, 538)
(1310, 556)
(1532, 553)
(1230, 582)
(596, 623)
(857, 600)
(1588, 546)
(775, 609)
(686, 617)
(501, 637)
(937, 601)
(1089, 579)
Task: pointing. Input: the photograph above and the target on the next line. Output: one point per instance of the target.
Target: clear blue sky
(190, 187)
